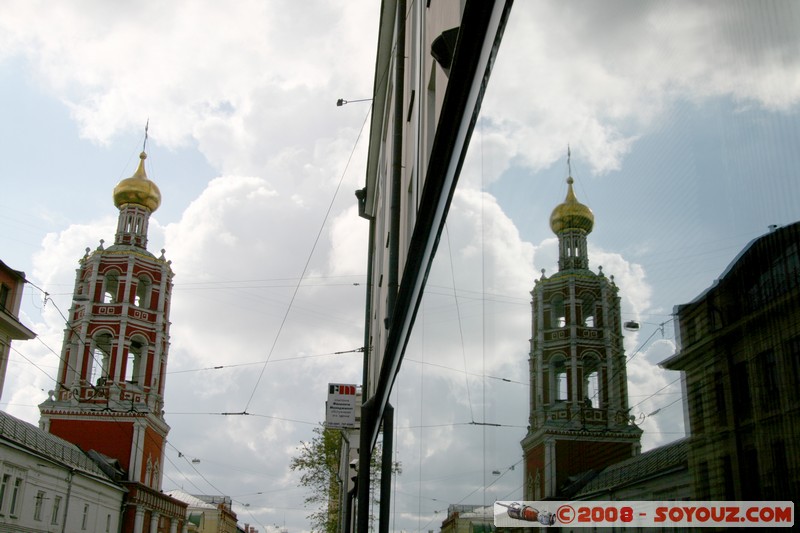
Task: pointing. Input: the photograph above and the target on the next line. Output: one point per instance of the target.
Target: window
(142, 298)
(15, 496)
(558, 370)
(134, 367)
(719, 391)
(750, 479)
(741, 390)
(727, 473)
(559, 316)
(37, 506)
(3, 488)
(793, 355)
(110, 288)
(780, 470)
(85, 519)
(770, 397)
(100, 358)
(108, 523)
(696, 398)
(702, 481)
(587, 310)
(3, 296)
(56, 506)
(591, 382)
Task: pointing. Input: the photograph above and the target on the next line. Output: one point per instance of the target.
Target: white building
(207, 514)
(49, 484)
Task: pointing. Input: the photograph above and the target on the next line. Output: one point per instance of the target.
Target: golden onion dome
(138, 189)
(571, 214)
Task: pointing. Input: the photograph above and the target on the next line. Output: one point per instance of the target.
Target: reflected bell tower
(579, 415)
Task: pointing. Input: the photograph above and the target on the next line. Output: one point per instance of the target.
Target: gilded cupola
(138, 189)
(571, 214)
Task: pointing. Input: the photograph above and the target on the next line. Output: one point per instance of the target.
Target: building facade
(432, 66)
(50, 485)
(110, 383)
(11, 284)
(739, 354)
(207, 514)
(579, 421)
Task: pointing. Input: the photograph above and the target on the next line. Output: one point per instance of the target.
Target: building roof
(571, 214)
(192, 501)
(17, 273)
(47, 445)
(639, 468)
(138, 189)
(748, 260)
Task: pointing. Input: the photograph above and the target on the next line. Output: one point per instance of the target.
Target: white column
(138, 521)
(550, 468)
(154, 522)
(136, 460)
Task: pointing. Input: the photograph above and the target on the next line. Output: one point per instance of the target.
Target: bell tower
(110, 385)
(579, 418)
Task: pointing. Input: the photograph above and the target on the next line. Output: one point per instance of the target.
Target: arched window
(110, 287)
(558, 312)
(592, 393)
(142, 298)
(101, 356)
(558, 378)
(587, 311)
(134, 368)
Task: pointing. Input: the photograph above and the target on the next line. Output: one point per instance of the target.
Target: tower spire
(569, 162)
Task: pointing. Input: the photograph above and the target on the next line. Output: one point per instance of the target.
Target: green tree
(318, 464)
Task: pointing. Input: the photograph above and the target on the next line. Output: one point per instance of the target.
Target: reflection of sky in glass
(682, 121)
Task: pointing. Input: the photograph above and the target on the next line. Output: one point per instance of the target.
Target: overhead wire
(460, 326)
(305, 266)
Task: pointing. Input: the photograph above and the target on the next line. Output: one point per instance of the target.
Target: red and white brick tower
(110, 390)
(579, 418)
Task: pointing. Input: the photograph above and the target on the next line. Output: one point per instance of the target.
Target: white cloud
(599, 75)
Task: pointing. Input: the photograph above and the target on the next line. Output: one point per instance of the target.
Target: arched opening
(558, 378)
(588, 311)
(142, 298)
(134, 367)
(558, 312)
(592, 391)
(110, 287)
(101, 357)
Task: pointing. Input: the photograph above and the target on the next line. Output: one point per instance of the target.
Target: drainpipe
(66, 500)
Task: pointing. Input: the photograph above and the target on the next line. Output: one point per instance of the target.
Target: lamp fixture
(341, 101)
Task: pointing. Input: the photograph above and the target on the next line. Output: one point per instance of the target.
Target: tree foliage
(318, 464)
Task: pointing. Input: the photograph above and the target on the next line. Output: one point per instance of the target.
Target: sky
(682, 118)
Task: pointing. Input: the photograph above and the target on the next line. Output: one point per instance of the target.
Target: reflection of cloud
(259, 106)
(598, 75)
